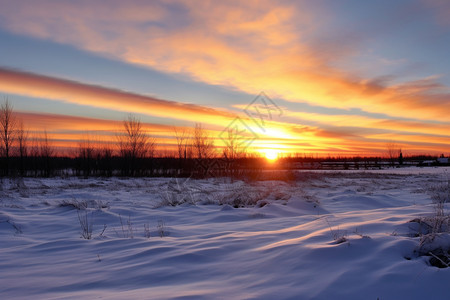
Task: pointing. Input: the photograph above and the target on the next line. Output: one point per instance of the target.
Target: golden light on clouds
(266, 52)
(270, 154)
(248, 47)
(33, 85)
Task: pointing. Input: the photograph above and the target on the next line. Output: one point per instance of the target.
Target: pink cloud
(250, 46)
(34, 85)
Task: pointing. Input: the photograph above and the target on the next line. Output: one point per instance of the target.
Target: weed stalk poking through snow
(86, 225)
(127, 230)
(434, 231)
(339, 237)
(147, 230)
(161, 228)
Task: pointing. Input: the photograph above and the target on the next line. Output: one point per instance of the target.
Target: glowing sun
(271, 154)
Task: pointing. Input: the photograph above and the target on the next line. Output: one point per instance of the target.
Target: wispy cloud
(343, 133)
(250, 46)
(81, 125)
(66, 131)
(34, 85)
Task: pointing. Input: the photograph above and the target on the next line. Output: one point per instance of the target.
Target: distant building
(428, 163)
(443, 160)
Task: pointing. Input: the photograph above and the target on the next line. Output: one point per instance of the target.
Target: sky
(326, 77)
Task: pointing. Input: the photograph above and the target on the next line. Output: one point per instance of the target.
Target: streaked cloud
(286, 49)
(66, 131)
(34, 85)
(249, 46)
(343, 133)
(81, 125)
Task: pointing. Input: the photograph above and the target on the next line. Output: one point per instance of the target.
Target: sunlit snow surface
(285, 247)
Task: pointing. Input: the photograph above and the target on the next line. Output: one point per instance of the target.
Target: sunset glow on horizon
(290, 77)
(270, 154)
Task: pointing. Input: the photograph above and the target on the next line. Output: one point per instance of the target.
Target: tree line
(132, 154)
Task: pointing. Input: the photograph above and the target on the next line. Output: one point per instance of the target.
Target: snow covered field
(327, 235)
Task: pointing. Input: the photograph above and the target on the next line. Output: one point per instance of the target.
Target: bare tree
(34, 154)
(104, 157)
(134, 144)
(8, 132)
(22, 141)
(203, 146)
(182, 142)
(45, 147)
(232, 148)
(393, 152)
(85, 156)
(47, 152)
(231, 153)
(203, 143)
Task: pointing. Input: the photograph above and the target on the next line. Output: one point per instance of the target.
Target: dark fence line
(249, 167)
(39, 166)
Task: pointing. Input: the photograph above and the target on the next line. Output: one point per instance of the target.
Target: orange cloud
(67, 131)
(359, 123)
(28, 84)
(53, 122)
(250, 46)
(345, 134)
